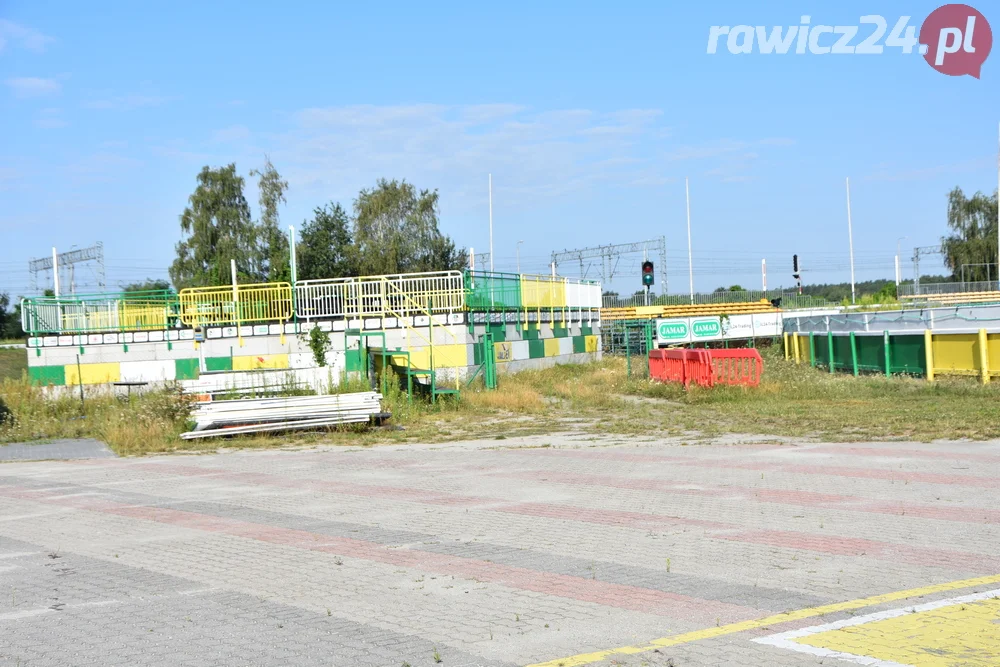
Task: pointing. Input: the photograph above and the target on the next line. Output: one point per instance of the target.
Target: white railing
(374, 296)
(58, 315)
(582, 295)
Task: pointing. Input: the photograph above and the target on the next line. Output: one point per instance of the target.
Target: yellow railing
(651, 312)
(543, 292)
(143, 314)
(264, 302)
(408, 305)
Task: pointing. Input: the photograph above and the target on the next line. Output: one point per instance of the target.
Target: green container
(871, 353)
(822, 352)
(907, 354)
(842, 352)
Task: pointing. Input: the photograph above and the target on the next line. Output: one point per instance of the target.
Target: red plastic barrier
(737, 367)
(680, 365)
(706, 368)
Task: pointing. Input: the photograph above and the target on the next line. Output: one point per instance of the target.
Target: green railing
(97, 313)
(492, 291)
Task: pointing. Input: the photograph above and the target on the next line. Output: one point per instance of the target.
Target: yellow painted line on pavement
(956, 631)
(777, 619)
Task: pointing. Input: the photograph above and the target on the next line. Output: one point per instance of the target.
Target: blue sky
(589, 116)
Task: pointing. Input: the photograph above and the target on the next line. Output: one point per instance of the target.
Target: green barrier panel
(218, 363)
(498, 331)
(842, 352)
(536, 349)
(579, 344)
(821, 350)
(871, 353)
(186, 369)
(492, 291)
(46, 375)
(907, 354)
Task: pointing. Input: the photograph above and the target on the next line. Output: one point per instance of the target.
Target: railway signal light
(795, 267)
(647, 273)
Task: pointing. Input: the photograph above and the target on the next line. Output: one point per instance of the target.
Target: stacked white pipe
(284, 413)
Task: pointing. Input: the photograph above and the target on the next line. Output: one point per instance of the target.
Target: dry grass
(792, 400)
(13, 363)
(145, 422)
(515, 399)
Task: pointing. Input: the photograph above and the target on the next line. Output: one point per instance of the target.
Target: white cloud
(30, 86)
(531, 154)
(534, 156)
(23, 37)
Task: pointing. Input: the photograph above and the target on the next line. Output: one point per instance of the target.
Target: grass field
(598, 398)
(13, 363)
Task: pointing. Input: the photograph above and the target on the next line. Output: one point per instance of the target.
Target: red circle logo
(955, 40)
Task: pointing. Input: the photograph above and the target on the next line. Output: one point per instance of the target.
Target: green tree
(273, 243)
(973, 223)
(396, 231)
(10, 320)
(4, 315)
(217, 228)
(148, 285)
(325, 248)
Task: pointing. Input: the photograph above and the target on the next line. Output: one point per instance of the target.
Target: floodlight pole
(491, 223)
(687, 196)
(850, 237)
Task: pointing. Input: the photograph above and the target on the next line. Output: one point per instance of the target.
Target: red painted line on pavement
(574, 513)
(780, 496)
(853, 546)
(642, 520)
(894, 475)
(594, 591)
(780, 466)
(893, 452)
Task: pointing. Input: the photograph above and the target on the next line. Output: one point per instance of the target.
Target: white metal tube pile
(282, 414)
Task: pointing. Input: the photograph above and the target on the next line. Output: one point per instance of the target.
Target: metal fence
(916, 320)
(788, 299)
(99, 313)
(374, 296)
(264, 302)
(930, 289)
(487, 290)
(371, 296)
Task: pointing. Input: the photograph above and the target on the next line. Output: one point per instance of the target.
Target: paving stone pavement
(74, 448)
(477, 555)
